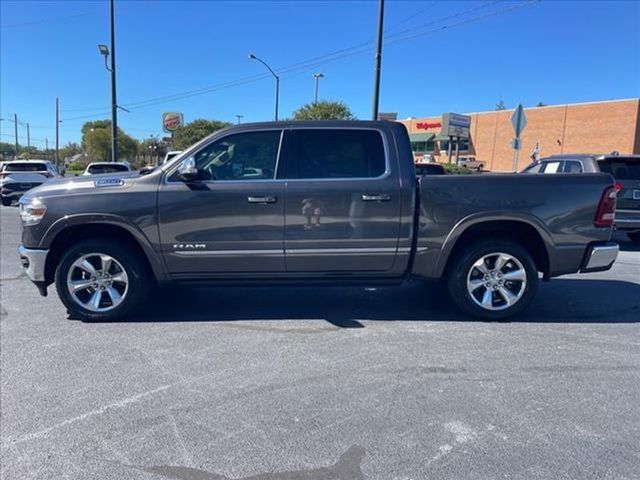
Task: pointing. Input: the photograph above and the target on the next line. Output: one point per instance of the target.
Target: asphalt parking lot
(315, 384)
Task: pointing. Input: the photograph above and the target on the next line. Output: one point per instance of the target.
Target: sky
(192, 57)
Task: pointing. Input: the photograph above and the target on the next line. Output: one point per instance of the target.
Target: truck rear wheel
(493, 279)
(98, 280)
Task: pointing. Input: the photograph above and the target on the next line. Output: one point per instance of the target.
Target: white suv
(19, 176)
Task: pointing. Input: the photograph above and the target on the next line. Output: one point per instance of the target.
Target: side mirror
(147, 169)
(187, 171)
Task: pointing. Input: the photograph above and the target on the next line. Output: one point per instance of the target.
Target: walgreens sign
(428, 125)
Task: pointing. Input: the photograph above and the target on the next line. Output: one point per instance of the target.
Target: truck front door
(231, 219)
(342, 202)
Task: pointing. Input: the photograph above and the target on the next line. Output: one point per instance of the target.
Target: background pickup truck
(312, 202)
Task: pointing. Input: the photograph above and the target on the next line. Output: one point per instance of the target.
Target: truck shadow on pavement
(561, 300)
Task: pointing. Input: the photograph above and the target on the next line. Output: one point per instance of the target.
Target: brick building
(594, 127)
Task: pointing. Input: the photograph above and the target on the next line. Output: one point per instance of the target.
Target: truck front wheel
(98, 280)
(493, 279)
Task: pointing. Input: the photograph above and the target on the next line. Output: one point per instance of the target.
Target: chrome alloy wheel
(496, 281)
(97, 282)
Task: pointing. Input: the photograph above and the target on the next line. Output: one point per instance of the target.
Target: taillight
(606, 208)
(618, 187)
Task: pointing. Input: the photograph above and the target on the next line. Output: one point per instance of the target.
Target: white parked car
(170, 155)
(18, 176)
(96, 168)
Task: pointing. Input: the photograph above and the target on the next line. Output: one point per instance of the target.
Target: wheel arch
(69, 231)
(524, 231)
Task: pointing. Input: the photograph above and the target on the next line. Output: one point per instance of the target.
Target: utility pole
(238, 118)
(57, 131)
(15, 127)
(46, 148)
(114, 102)
(376, 76)
(317, 77)
(28, 136)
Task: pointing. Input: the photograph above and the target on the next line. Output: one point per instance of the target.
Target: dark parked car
(625, 169)
(312, 203)
(430, 169)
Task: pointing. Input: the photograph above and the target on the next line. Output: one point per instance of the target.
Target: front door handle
(375, 197)
(262, 200)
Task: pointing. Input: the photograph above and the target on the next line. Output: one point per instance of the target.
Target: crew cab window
(328, 153)
(243, 156)
(572, 166)
(551, 167)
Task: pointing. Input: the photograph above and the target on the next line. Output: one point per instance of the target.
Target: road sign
(516, 143)
(519, 120)
(455, 125)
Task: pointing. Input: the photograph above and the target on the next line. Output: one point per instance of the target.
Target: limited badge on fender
(109, 182)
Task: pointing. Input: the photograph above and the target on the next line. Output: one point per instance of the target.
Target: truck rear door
(342, 207)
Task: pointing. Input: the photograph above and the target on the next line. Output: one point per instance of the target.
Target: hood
(85, 184)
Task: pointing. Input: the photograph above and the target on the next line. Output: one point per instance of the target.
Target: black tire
(137, 286)
(462, 266)
(634, 236)
(6, 202)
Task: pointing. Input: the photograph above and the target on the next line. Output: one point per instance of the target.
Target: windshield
(621, 168)
(107, 169)
(25, 167)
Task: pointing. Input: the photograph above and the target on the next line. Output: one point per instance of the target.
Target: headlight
(32, 211)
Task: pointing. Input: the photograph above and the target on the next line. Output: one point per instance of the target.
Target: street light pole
(317, 77)
(28, 136)
(15, 126)
(376, 76)
(57, 131)
(253, 57)
(114, 102)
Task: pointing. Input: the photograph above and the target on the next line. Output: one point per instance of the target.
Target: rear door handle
(262, 200)
(375, 197)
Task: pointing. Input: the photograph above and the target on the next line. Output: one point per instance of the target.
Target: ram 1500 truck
(311, 203)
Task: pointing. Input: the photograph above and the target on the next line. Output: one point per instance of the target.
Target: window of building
(328, 153)
(463, 145)
(423, 147)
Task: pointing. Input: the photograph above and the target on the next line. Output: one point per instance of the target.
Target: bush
(453, 169)
(76, 166)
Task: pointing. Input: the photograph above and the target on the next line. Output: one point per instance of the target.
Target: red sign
(171, 121)
(428, 125)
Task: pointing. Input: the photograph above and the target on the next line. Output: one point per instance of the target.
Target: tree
(69, 150)
(324, 110)
(195, 131)
(96, 141)
(541, 104)
(500, 105)
(7, 150)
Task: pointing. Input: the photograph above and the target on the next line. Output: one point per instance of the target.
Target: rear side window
(346, 153)
(572, 166)
(96, 169)
(621, 168)
(25, 167)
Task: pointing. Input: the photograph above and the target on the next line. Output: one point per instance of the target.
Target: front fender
(60, 225)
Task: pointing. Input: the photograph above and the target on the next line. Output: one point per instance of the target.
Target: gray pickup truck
(311, 203)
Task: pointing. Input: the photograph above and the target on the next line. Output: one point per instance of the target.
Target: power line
(326, 58)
